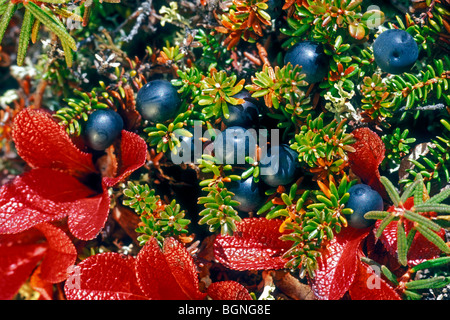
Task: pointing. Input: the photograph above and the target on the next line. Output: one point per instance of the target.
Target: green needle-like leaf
(389, 275)
(413, 216)
(439, 197)
(402, 248)
(438, 262)
(376, 215)
(25, 35)
(410, 190)
(432, 283)
(6, 18)
(418, 192)
(438, 207)
(410, 237)
(384, 223)
(433, 237)
(392, 192)
(411, 295)
(46, 19)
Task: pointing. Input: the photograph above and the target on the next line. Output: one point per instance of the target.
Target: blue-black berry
(311, 57)
(395, 51)
(279, 166)
(362, 200)
(244, 115)
(248, 193)
(158, 101)
(102, 129)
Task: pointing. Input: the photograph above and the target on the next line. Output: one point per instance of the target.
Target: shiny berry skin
(362, 200)
(248, 193)
(311, 57)
(102, 129)
(158, 101)
(244, 115)
(279, 166)
(234, 144)
(395, 51)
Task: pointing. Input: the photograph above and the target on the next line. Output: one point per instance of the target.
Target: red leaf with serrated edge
(255, 245)
(338, 264)
(40, 195)
(167, 274)
(365, 161)
(43, 143)
(228, 290)
(18, 258)
(60, 255)
(105, 276)
(421, 248)
(132, 155)
(368, 285)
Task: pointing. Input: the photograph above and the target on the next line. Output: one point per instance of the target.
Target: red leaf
(228, 290)
(133, 154)
(16, 264)
(40, 195)
(182, 267)
(28, 249)
(421, 248)
(338, 264)
(43, 143)
(167, 274)
(255, 245)
(44, 288)
(86, 222)
(369, 154)
(106, 276)
(368, 285)
(61, 254)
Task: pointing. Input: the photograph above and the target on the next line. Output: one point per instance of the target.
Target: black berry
(248, 193)
(311, 57)
(158, 101)
(102, 129)
(362, 200)
(279, 166)
(395, 51)
(244, 115)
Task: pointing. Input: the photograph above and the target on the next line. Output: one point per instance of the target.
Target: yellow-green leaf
(46, 19)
